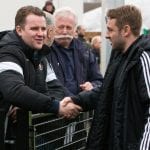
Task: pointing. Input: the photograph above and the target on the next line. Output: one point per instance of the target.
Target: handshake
(68, 109)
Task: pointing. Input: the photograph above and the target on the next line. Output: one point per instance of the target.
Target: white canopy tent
(92, 19)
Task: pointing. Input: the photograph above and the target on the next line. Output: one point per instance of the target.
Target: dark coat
(22, 76)
(86, 67)
(121, 117)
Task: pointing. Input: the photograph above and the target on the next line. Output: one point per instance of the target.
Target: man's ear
(126, 30)
(19, 30)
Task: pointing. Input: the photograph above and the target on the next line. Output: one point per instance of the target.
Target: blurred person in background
(96, 47)
(49, 7)
(81, 32)
(50, 29)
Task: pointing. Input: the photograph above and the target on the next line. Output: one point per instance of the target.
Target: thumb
(79, 108)
(66, 100)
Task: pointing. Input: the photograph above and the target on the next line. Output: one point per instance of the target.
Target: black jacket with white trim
(122, 117)
(23, 76)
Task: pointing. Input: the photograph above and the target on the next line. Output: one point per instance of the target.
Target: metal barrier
(17, 135)
(47, 132)
(2, 124)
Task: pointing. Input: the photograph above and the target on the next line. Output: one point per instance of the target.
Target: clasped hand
(87, 86)
(68, 109)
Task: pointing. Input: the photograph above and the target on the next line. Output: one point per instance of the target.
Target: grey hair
(65, 12)
(49, 18)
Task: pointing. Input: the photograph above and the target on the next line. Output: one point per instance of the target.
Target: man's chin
(65, 43)
(38, 47)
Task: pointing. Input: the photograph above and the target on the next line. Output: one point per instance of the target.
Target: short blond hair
(95, 39)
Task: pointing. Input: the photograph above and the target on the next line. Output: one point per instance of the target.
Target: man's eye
(60, 27)
(43, 29)
(34, 28)
(69, 28)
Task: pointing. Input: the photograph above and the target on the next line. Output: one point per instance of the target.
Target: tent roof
(92, 20)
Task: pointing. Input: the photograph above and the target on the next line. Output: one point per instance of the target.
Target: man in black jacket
(23, 69)
(122, 116)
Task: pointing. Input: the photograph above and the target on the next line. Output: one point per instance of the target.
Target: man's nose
(41, 32)
(107, 36)
(64, 30)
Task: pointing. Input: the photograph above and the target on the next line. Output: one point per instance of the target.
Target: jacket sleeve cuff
(76, 100)
(54, 107)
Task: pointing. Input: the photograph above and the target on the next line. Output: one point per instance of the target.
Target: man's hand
(12, 113)
(87, 86)
(68, 109)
